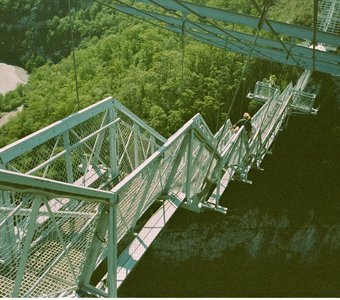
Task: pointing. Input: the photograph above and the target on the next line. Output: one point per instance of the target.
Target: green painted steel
(217, 14)
(329, 65)
(74, 163)
(69, 222)
(241, 42)
(99, 170)
(26, 183)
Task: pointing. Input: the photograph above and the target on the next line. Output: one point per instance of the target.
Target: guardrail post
(135, 129)
(32, 224)
(113, 143)
(112, 249)
(94, 248)
(68, 160)
(189, 166)
(7, 234)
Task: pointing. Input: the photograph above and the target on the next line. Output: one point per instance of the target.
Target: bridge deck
(54, 233)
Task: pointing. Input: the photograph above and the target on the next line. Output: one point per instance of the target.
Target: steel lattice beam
(241, 42)
(217, 14)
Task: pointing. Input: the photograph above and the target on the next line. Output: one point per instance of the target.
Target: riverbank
(10, 77)
(7, 116)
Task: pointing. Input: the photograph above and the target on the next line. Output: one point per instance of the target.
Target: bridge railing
(266, 125)
(123, 156)
(303, 102)
(303, 80)
(103, 139)
(175, 168)
(264, 91)
(96, 147)
(32, 221)
(48, 257)
(226, 133)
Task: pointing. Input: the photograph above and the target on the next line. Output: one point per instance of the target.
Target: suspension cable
(260, 25)
(315, 18)
(154, 17)
(214, 25)
(73, 55)
(275, 33)
(182, 49)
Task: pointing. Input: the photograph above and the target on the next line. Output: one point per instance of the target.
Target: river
(280, 237)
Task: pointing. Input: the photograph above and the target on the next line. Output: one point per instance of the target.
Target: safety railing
(303, 80)
(70, 192)
(47, 258)
(264, 91)
(105, 137)
(303, 102)
(96, 147)
(104, 143)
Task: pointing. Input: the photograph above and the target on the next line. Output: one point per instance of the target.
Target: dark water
(280, 238)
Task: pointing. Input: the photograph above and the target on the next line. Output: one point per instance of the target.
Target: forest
(164, 78)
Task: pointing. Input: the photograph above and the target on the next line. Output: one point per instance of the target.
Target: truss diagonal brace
(246, 20)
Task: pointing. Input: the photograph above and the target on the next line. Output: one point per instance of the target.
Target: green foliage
(34, 32)
(12, 100)
(138, 64)
(298, 12)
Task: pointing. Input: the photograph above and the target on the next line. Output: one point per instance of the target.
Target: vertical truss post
(95, 153)
(189, 166)
(150, 177)
(32, 224)
(135, 129)
(7, 235)
(113, 143)
(94, 248)
(68, 160)
(218, 184)
(175, 165)
(153, 143)
(112, 249)
(196, 160)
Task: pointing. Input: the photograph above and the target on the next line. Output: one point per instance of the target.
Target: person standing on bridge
(246, 122)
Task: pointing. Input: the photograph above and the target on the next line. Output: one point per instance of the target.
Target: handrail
(41, 136)
(156, 155)
(17, 182)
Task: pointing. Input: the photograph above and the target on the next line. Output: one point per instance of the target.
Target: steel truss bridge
(74, 193)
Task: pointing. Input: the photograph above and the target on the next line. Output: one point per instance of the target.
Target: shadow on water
(280, 238)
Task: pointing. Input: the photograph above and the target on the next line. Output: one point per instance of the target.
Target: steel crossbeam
(244, 20)
(241, 42)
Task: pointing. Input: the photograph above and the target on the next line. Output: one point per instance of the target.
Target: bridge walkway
(73, 191)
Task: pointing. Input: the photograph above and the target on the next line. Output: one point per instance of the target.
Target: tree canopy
(162, 78)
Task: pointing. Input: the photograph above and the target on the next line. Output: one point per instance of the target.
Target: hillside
(163, 78)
